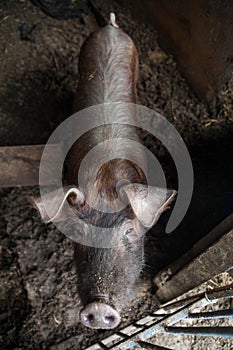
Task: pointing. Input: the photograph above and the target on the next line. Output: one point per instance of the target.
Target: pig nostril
(89, 318)
(109, 319)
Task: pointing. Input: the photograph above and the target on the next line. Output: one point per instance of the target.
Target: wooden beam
(19, 165)
(213, 260)
(198, 248)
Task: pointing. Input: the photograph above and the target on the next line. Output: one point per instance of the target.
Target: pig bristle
(113, 20)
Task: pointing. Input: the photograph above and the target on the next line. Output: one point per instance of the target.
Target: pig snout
(97, 315)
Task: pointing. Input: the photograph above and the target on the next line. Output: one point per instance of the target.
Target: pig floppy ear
(148, 202)
(53, 206)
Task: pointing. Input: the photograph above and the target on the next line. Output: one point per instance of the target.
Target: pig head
(106, 276)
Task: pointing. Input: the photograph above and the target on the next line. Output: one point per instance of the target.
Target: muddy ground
(38, 78)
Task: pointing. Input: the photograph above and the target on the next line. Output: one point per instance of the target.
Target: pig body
(106, 275)
(108, 68)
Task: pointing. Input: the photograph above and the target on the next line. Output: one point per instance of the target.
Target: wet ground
(38, 78)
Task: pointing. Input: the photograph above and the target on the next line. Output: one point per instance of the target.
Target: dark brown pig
(108, 68)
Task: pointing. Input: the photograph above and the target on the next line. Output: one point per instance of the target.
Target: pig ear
(148, 202)
(53, 206)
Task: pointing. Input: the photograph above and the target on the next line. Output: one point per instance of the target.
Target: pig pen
(39, 301)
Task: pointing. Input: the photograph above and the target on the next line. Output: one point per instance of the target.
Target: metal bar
(171, 319)
(221, 294)
(212, 314)
(149, 346)
(20, 165)
(123, 335)
(215, 293)
(214, 260)
(226, 332)
(160, 326)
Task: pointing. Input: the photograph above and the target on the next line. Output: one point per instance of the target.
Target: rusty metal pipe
(212, 314)
(215, 293)
(225, 332)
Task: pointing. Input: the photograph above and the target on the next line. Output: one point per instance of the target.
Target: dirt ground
(38, 298)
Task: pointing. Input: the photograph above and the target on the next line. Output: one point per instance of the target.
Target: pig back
(108, 69)
(108, 73)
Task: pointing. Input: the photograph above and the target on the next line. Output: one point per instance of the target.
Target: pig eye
(130, 235)
(129, 230)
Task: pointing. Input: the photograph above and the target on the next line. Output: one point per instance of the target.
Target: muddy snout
(97, 315)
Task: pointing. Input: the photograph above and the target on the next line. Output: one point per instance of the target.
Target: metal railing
(164, 319)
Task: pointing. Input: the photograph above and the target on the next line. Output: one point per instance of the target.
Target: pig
(108, 73)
